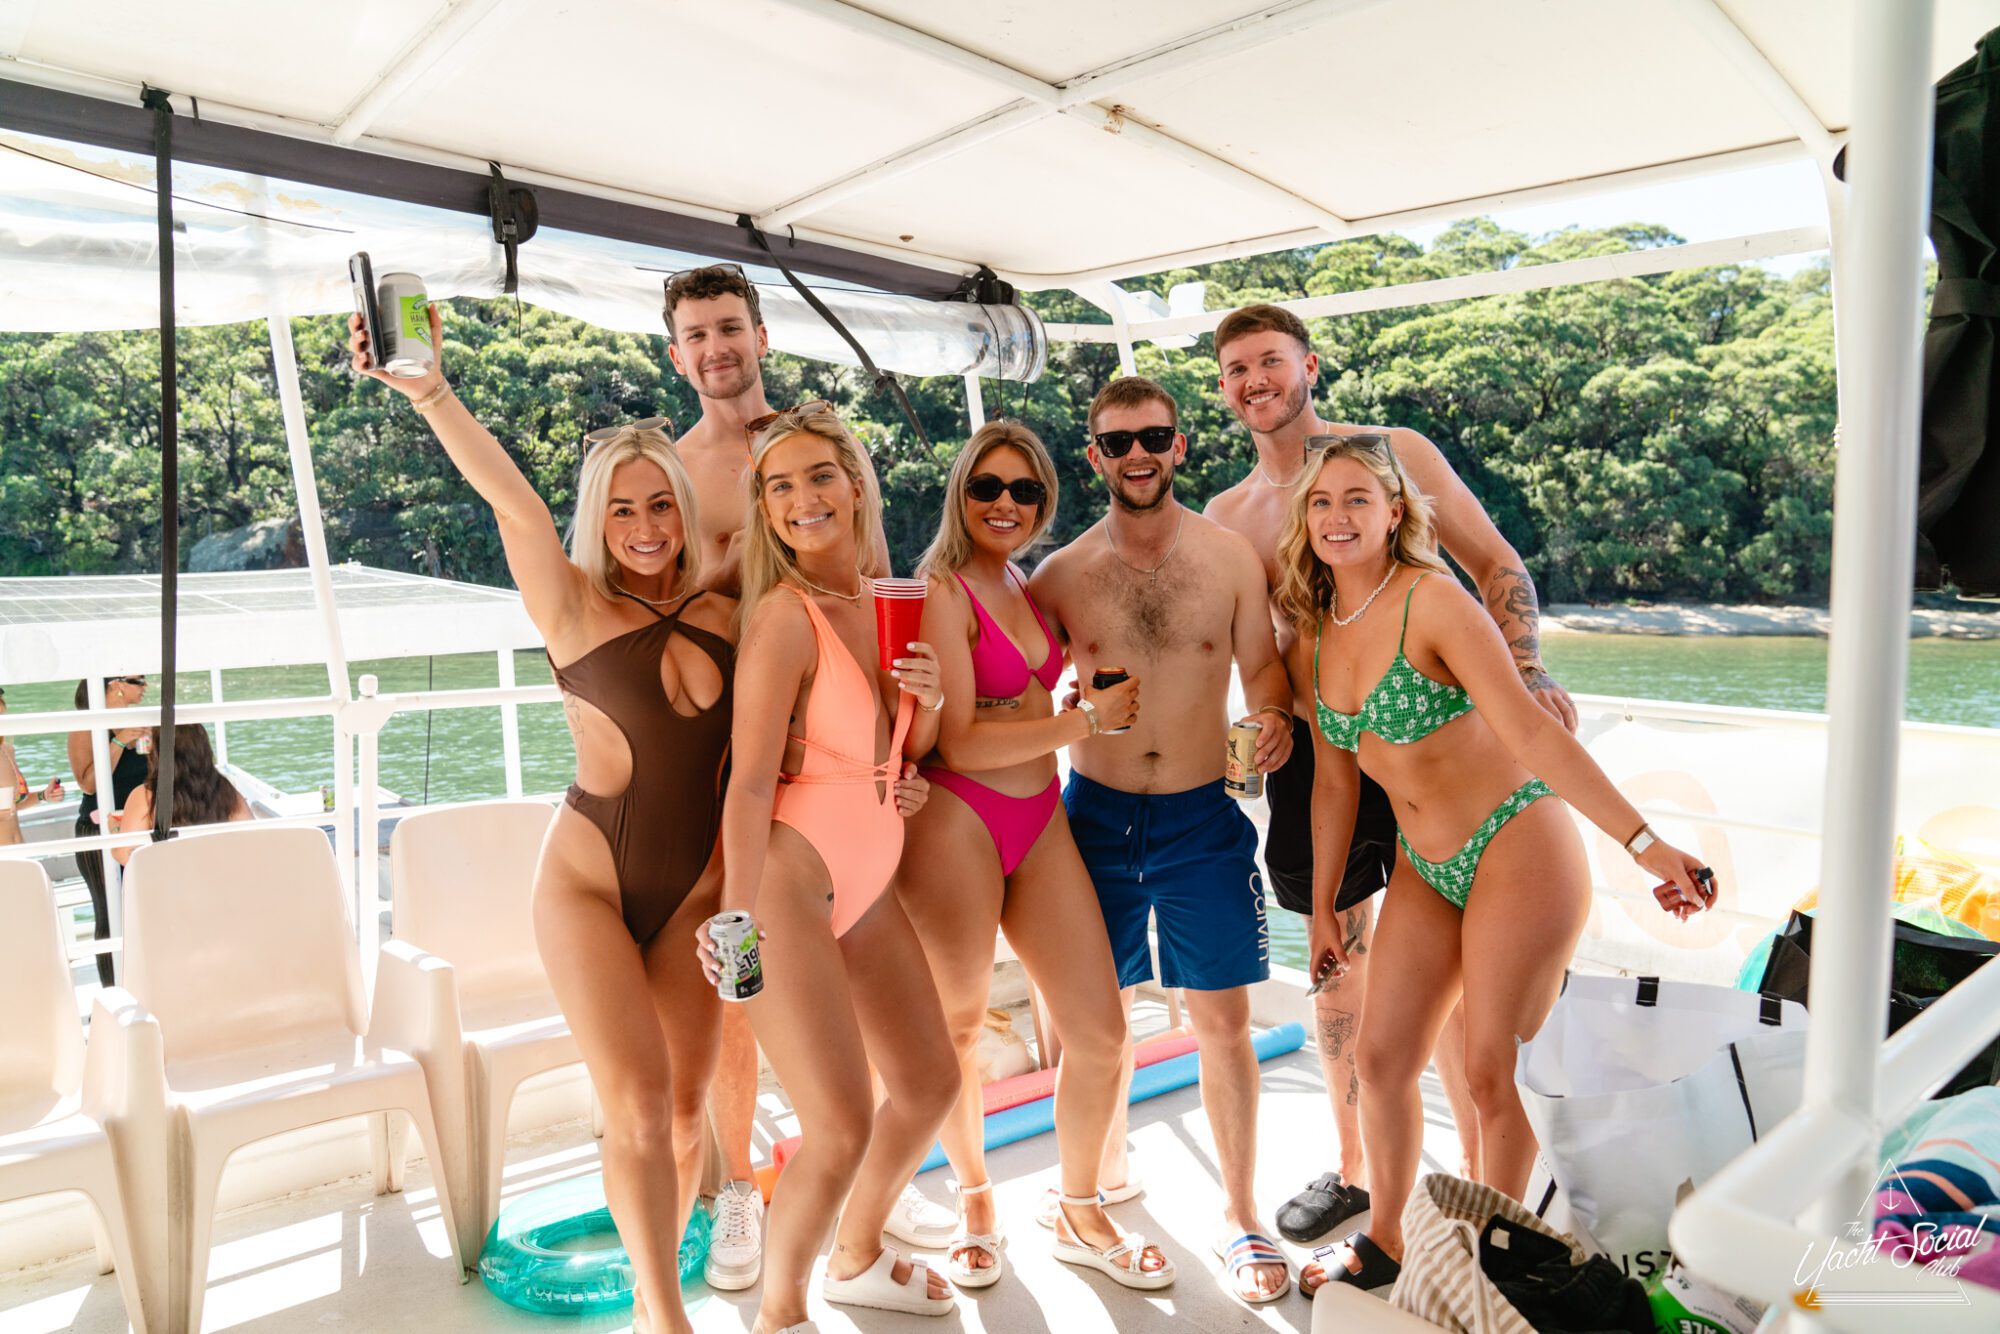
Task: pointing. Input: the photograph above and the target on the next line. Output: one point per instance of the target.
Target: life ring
(556, 1251)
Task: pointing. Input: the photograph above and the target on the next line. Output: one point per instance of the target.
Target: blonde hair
(952, 547)
(767, 558)
(1305, 584)
(593, 496)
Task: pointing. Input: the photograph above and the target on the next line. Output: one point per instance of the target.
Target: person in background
(128, 770)
(717, 341)
(15, 794)
(1268, 370)
(201, 794)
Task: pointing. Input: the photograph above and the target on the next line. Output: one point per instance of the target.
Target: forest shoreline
(1709, 618)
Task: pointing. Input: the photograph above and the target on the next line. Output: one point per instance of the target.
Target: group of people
(739, 748)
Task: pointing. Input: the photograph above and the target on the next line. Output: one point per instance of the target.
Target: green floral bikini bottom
(1452, 877)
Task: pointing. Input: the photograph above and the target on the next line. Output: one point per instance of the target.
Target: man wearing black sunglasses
(1175, 600)
(1268, 369)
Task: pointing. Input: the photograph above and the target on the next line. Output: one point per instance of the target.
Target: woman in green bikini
(1409, 678)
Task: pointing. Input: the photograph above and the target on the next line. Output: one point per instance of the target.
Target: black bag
(1926, 965)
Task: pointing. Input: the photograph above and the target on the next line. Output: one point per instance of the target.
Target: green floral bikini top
(1404, 706)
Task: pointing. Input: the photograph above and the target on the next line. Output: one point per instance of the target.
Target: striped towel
(1441, 1280)
(1937, 1202)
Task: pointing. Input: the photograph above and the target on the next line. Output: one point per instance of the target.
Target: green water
(454, 754)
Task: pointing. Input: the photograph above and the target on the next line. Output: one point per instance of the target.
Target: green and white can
(406, 326)
(739, 970)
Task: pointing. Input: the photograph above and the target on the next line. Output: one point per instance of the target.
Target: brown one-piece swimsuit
(663, 826)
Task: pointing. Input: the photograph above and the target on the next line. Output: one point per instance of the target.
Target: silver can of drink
(1240, 775)
(406, 326)
(739, 970)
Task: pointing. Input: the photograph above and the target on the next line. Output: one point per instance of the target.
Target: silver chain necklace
(1265, 479)
(1334, 610)
(1155, 571)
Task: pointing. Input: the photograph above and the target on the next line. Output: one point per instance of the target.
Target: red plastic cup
(899, 616)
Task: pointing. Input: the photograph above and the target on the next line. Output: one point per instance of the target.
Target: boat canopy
(53, 629)
(909, 142)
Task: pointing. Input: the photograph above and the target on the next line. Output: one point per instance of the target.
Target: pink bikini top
(999, 670)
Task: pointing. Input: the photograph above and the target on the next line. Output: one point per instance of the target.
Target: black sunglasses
(1117, 444)
(592, 439)
(138, 681)
(986, 488)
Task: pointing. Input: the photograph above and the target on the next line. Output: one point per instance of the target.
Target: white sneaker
(736, 1238)
(916, 1220)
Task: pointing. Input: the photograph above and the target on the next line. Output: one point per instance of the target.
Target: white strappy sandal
(1123, 1263)
(957, 1269)
(1045, 1213)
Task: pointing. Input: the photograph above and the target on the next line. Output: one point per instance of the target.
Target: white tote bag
(1635, 1086)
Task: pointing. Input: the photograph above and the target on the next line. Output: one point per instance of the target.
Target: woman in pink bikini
(812, 829)
(992, 850)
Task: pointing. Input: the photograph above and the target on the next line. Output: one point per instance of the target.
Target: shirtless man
(1268, 369)
(1174, 599)
(716, 339)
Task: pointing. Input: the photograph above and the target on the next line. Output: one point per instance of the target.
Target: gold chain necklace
(1155, 571)
(855, 596)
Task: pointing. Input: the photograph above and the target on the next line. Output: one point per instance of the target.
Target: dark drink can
(406, 326)
(1104, 678)
(739, 971)
(1240, 775)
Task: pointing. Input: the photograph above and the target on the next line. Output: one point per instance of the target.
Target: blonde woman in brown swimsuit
(631, 862)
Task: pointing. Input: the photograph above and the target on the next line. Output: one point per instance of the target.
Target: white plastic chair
(57, 1104)
(462, 879)
(240, 945)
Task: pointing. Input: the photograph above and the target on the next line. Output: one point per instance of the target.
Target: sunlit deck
(342, 1257)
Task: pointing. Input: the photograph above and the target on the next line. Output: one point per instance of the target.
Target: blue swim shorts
(1187, 859)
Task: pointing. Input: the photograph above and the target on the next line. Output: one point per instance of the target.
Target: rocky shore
(1963, 621)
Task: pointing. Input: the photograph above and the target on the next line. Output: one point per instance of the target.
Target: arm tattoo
(1510, 601)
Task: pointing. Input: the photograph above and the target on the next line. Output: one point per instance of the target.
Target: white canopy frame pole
(285, 367)
(975, 402)
(1877, 339)
(510, 725)
(368, 877)
(114, 874)
(221, 729)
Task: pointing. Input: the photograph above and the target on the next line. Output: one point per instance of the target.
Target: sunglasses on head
(1117, 444)
(724, 266)
(986, 488)
(592, 439)
(1359, 439)
(758, 425)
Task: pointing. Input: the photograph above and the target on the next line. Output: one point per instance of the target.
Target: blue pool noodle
(1177, 1072)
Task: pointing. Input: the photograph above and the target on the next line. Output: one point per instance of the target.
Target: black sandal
(1320, 1208)
(1377, 1269)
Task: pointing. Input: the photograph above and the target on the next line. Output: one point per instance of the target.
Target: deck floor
(343, 1258)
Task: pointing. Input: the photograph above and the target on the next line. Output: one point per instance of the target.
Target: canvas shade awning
(1057, 143)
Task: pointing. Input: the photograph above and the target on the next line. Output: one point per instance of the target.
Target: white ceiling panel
(1362, 108)
(735, 107)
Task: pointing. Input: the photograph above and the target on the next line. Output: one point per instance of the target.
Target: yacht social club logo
(1894, 1228)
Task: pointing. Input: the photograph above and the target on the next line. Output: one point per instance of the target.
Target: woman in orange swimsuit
(631, 861)
(819, 785)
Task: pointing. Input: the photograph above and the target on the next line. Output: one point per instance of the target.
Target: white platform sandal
(876, 1287)
(957, 1269)
(1123, 1263)
(1045, 1213)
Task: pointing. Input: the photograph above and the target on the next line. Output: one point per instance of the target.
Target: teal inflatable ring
(556, 1251)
